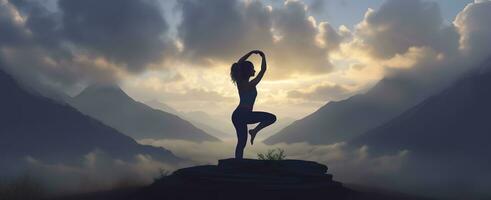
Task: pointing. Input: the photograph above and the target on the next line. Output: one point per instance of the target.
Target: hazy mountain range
(161, 106)
(394, 116)
(343, 120)
(453, 123)
(35, 126)
(444, 140)
(201, 121)
(112, 106)
(216, 126)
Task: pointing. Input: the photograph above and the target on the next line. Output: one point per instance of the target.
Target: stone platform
(248, 179)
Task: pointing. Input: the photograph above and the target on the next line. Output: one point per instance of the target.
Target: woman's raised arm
(260, 75)
(244, 58)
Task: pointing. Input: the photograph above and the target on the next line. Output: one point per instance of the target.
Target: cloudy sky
(179, 51)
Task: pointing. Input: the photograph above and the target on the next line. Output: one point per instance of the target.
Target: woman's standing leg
(241, 129)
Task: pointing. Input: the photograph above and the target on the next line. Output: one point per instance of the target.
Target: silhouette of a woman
(240, 73)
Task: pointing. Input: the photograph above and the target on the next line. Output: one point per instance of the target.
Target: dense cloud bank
(346, 164)
(80, 41)
(126, 33)
(222, 30)
(399, 25)
(412, 41)
(96, 171)
(66, 45)
(409, 42)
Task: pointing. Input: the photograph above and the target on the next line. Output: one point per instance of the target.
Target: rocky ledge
(248, 179)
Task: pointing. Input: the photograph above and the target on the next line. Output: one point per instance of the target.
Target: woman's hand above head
(246, 56)
(260, 75)
(255, 52)
(258, 52)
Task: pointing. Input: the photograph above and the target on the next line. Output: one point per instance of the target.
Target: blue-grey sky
(350, 12)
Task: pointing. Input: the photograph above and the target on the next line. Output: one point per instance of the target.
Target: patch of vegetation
(22, 188)
(273, 154)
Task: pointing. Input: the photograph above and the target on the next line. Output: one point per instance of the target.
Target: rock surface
(248, 179)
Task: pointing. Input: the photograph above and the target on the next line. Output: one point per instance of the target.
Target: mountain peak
(111, 105)
(108, 90)
(69, 134)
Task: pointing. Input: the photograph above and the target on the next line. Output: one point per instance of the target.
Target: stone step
(272, 166)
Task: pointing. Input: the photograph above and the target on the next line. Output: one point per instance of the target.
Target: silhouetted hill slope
(161, 106)
(212, 131)
(32, 125)
(224, 125)
(453, 123)
(115, 108)
(343, 120)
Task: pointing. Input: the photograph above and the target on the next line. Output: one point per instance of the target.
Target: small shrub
(272, 154)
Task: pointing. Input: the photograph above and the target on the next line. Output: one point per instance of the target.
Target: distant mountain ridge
(343, 120)
(217, 126)
(112, 106)
(33, 125)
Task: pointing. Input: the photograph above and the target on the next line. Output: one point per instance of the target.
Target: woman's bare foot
(253, 133)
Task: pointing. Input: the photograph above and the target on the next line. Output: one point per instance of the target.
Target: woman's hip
(240, 114)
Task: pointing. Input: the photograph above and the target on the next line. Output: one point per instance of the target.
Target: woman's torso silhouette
(247, 94)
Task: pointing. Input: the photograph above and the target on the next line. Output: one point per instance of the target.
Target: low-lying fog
(352, 166)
